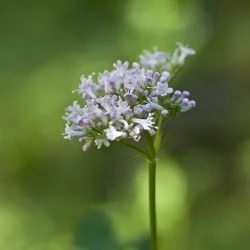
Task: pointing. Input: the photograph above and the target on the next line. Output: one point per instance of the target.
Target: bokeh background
(53, 196)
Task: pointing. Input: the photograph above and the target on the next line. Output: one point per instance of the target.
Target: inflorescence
(128, 100)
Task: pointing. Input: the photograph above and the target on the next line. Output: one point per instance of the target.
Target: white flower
(125, 124)
(86, 145)
(100, 141)
(181, 53)
(147, 124)
(136, 133)
(112, 133)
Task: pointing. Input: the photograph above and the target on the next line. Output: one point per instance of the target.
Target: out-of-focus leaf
(95, 232)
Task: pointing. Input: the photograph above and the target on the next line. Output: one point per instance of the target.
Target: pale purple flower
(186, 104)
(87, 87)
(73, 131)
(162, 89)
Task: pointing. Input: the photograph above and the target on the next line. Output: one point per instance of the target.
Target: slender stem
(151, 189)
(152, 204)
(150, 154)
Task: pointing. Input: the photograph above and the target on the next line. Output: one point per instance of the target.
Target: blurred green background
(53, 196)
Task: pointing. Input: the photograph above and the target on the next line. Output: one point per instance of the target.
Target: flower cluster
(127, 101)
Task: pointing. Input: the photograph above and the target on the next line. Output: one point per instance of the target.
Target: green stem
(152, 204)
(150, 154)
(151, 189)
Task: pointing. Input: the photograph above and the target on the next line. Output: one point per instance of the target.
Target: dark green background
(48, 185)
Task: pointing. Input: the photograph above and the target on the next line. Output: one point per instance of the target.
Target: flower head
(127, 101)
